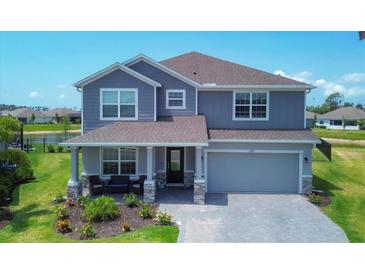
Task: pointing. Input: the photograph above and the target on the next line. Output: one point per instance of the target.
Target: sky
(39, 68)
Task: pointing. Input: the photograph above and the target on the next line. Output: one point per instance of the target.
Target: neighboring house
(4, 113)
(194, 120)
(25, 115)
(74, 115)
(334, 119)
(310, 118)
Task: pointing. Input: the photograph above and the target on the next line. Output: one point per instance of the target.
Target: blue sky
(39, 68)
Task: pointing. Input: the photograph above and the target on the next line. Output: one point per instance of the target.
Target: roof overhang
(110, 69)
(263, 87)
(94, 144)
(150, 61)
(264, 141)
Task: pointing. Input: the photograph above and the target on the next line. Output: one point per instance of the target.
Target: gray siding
(90, 160)
(168, 82)
(307, 148)
(286, 110)
(116, 79)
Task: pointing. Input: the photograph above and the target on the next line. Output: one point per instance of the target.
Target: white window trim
(167, 98)
(118, 161)
(118, 118)
(234, 118)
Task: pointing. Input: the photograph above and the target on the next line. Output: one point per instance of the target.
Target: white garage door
(253, 172)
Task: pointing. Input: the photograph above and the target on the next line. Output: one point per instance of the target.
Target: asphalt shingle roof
(205, 69)
(349, 113)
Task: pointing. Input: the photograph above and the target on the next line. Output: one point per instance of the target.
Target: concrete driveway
(250, 218)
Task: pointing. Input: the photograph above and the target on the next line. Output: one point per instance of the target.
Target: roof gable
(112, 68)
(210, 71)
(350, 113)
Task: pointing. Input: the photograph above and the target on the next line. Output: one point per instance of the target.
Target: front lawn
(340, 134)
(48, 127)
(343, 180)
(35, 214)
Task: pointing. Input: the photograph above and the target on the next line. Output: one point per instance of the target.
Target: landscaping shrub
(71, 202)
(126, 227)
(64, 226)
(51, 148)
(83, 200)
(5, 214)
(6, 185)
(62, 213)
(101, 209)
(59, 198)
(131, 200)
(21, 159)
(315, 199)
(59, 149)
(163, 218)
(87, 232)
(145, 212)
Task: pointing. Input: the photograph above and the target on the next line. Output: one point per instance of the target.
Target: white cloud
(61, 86)
(354, 77)
(62, 96)
(355, 91)
(302, 76)
(34, 94)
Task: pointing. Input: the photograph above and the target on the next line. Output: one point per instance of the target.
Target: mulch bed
(5, 217)
(325, 201)
(109, 228)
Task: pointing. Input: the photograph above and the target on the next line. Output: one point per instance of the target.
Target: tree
(8, 126)
(360, 106)
(348, 104)
(334, 101)
(33, 117)
(66, 125)
(57, 118)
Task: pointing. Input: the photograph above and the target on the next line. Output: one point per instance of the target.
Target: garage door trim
(299, 152)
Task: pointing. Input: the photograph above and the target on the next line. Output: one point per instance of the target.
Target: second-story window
(175, 99)
(250, 105)
(119, 104)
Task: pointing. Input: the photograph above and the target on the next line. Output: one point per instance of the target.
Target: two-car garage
(253, 171)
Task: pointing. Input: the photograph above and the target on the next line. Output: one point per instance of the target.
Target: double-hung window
(175, 99)
(119, 104)
(250, 105)
(119, 161)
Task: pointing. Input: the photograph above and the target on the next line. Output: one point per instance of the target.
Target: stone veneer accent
(188, 178)
(199, 192)
(149, 192)
(307, 184)
(74, 189)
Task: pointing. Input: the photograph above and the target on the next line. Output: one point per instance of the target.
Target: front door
(175, 165)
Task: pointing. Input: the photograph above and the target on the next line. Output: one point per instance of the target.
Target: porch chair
(137, 186)
(96, 186)
(119, 184)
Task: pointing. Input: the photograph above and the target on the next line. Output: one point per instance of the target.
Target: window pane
(242, 98)
(259, 98)
(127, 97)
(175, 160)
(110, 111)
(127, 111)
(110, 154)
(242, 112)
(110, 97)
(110, 168)
(175, 103)
(128, 168)
(258, 111)
(176, 95)
(127, 153)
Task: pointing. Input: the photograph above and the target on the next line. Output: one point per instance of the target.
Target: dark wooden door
(175, 165)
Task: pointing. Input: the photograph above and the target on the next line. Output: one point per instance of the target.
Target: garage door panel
(252, 172)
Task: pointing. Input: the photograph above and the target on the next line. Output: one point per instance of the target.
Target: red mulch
(5, 217)
(109, 228)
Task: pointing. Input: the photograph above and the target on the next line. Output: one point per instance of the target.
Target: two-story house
(194, 119)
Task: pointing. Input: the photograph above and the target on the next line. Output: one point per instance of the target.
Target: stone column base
(307, 184)
(149, 191)
(74, 189)
(199, 191)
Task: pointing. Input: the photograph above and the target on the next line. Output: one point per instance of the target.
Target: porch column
(149, 193)
(199, 182)
(74, 185)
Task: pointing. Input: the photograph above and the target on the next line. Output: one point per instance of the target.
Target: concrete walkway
(249, 218)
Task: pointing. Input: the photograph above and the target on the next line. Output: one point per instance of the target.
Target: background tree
(348, 104)
(33, 117)
(8, 126)
(57, 118)
(66, 125)
(334, 101)
(360, 106)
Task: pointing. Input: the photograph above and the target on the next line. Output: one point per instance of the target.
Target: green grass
(48, 127)
(343, 180)
(340, 134)
(35, 214)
